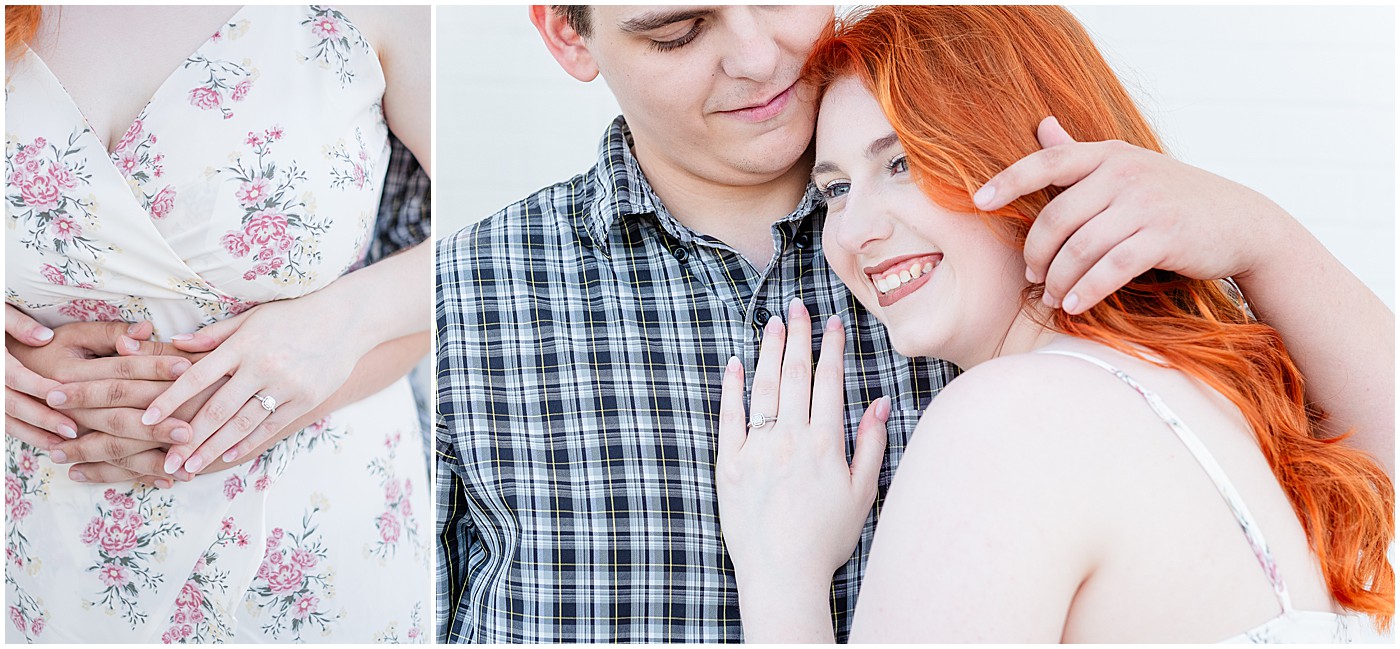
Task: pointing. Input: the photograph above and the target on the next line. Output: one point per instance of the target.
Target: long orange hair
(21, 22)
(964, 88)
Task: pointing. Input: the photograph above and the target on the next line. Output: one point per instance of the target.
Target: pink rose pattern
(44, 189)
(337, 38)
(397, 520)
(25, 483)
(278, 232)
(124, 535)
(196, 618)
(351, 171)
(135, 157)
(225, 83)
(292, 585)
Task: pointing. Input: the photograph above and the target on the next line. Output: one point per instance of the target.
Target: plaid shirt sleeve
(405, 213)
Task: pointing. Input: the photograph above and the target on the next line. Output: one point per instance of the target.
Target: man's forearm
(1338, 332)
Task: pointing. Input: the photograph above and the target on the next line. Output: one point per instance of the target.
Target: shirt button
(801, 241)
(761, 316)
(680, 254)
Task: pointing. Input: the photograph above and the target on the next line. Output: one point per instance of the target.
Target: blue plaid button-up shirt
(582, 336)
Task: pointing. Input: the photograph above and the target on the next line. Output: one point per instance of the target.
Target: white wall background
(1296, 102)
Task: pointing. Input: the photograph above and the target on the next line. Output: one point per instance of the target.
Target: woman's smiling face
(942, 282)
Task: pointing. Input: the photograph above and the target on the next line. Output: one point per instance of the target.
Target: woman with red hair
(1147, 470)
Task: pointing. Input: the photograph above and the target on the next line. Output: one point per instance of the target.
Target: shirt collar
(623, 190)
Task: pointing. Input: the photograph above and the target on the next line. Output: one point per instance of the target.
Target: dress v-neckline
(159, 91)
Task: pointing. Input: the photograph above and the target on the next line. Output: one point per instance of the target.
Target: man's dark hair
(578, 16)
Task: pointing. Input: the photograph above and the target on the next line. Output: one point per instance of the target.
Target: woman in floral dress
(296, 507)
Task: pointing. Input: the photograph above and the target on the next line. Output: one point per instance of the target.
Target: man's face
(711, 92)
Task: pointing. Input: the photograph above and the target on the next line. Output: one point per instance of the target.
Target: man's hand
(1128, 210)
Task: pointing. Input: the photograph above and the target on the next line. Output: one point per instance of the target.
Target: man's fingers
(795, 391)
(1059, 166)
(25, 329)
(99, 447)
(1059, 220)
(133, 469)
(1051, 133)
(27, 409)
(828, 384)
(30, 434)
(731, 411)
(871, 438)
(1116, 268)
(126, 422)
(106, 393)
(136, 368)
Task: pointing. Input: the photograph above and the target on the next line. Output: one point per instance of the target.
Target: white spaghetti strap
(1212, 468)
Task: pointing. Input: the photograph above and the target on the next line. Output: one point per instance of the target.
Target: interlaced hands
(791, 506)
(78, 391)
(1126, 210)
(278, 350)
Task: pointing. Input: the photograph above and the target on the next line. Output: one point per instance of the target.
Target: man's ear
(564, 43)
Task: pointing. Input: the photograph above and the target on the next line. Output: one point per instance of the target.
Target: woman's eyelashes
(680, 41)
(833, 189)
(897, 165)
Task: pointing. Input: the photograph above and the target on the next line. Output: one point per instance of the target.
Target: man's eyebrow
(649, 21)
(824, 167)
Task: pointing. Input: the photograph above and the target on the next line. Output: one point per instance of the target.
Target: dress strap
(1212, 468)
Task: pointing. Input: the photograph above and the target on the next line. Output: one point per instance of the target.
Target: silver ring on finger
(268, 403)
(760, 420)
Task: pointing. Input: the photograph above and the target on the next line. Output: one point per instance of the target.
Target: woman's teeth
(897, 278)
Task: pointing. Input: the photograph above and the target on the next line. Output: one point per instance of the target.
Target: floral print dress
(253, 174)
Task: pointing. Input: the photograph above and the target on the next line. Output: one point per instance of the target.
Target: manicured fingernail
(733, 366)
(151, 416)
(795, 304)
(162, 483)
(984, 196)
(1030, 275)
(182, 337)
(67, 431)
(179, 367)
(77, 476)
(172, 462)
(58, 456)
(1071, 303)
(180, 436)
(1048, 300)
(231, 455)
(195, 464)
(775, 324)
(882, 409)
(42, 333)
(129, 344)
(833, 323)
(56, 398)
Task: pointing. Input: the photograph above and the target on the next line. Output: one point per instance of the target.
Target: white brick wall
(1296, 102)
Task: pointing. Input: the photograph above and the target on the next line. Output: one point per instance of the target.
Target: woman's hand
(791, 507)
(278, 350)
(26, 416)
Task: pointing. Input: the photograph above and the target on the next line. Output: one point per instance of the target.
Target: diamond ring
(268, 403)
(760, 420)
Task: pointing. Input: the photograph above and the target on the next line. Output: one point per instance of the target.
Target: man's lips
(895, 278)
(765, 110)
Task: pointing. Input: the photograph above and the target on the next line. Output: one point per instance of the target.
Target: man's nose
(755, 53)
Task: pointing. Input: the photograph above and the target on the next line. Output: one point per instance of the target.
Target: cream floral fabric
(253, 174)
